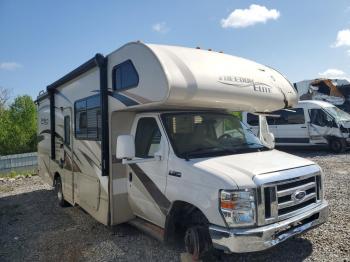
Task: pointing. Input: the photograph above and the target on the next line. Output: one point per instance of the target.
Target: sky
(42, 40)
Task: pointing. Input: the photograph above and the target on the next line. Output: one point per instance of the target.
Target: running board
(148, 228)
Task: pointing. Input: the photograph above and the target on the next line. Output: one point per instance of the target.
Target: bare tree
(4, 96)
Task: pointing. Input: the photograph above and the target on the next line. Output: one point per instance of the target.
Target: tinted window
(147, 138)
(88, 118)
(125, 76)
(290, 117)
(253, 120)
(67, 130)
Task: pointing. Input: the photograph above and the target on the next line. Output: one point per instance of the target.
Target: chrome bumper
(260, 238)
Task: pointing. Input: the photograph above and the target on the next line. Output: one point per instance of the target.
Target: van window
(88, 118)
(147, 138)
(319, 117)
(293, 117)
(67, 130)
(253, 120)
(125, 76)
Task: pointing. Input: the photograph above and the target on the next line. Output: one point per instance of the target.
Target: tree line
(18, 124)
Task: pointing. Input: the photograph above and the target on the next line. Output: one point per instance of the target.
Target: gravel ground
(34, 228)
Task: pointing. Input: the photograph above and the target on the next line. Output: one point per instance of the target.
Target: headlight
(238, 207)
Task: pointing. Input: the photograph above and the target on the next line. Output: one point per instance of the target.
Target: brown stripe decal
(153, 190)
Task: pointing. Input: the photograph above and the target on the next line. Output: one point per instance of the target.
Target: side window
(293, 117)
(124, 76)
(67, 130)
(297, 117)
(88, 118)
(280, 120)
(147, 138)
(319, 117)
(252, 120)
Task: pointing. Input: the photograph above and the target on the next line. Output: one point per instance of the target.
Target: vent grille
(286, 198)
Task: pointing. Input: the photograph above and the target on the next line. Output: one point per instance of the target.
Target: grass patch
(18, 174)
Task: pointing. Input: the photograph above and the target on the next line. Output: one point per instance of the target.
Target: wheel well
(181, 216)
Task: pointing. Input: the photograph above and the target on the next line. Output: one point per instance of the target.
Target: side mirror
(125, 147)
(265, 136)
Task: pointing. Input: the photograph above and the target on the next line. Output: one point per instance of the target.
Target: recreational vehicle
(309, 123)
(144, 136)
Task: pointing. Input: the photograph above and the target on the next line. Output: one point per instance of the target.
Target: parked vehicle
(144, 135)
(311, 122)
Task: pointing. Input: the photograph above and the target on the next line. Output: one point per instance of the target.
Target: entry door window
(147, 138)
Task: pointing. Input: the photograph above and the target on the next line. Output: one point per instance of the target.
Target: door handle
(303, 127)
(175, 173)
(130, 177)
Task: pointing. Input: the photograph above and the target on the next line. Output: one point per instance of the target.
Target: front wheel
(59, 192)
(337, 145)
(197, 241)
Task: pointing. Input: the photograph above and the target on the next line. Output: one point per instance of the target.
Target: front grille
(286, 198)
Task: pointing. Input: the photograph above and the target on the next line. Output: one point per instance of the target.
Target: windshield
(337, 113)
(195, 135)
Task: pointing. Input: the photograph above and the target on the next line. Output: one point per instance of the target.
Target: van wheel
(59, 192)
(337, 145)
(197, 241)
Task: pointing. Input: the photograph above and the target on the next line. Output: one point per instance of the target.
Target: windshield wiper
(204, 150)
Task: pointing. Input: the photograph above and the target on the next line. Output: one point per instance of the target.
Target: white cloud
(248, 17)
(160, 27)
(348, 52)
(343, 38)
(333, 73)
(10, 66)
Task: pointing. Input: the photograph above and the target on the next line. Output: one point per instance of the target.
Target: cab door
(65, 156)
(147, 179)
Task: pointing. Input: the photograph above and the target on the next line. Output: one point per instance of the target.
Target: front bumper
(261, 238)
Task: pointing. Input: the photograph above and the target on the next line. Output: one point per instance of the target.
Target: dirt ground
(34, 228)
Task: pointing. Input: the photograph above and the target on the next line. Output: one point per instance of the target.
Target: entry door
(291, 127)
(65, 156)
(147, 181)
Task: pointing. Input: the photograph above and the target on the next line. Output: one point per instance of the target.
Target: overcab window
(88, 118)
(125, 76)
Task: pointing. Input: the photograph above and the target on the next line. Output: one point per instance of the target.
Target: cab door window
(319, 117)
(147, 138)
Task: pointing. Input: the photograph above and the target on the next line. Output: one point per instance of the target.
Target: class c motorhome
(309, 123)
(144, 136)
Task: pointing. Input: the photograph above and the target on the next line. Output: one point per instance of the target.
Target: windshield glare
(337, 113)
(195, 135)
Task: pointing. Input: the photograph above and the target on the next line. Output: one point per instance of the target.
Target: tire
(59, 192)
(198, 242)
(337, 145)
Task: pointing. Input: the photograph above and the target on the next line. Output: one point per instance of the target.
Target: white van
(311, 122)
(144, 136)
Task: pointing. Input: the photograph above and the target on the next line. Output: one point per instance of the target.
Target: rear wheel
(337, 145)
(59, 192)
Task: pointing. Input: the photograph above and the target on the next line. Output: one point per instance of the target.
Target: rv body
(309, 123)
(144, 135)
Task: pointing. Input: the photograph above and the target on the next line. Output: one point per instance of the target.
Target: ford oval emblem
(299, 195)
